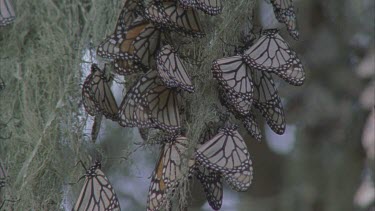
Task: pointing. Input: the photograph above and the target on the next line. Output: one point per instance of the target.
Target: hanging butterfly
(168, 171)
(272, 54)
(227, 153)
(234, 76)
(170, 15)
(171, 69)
(236, 106)
(210, 7)
(97, 192)
(210, 180)
(150, 104)
(7, 14)
(134, 42)
(284, 12)
(267, 101)
(97, 95)
(134, 50)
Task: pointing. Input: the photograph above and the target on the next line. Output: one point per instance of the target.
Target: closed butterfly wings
(170, 15)
(267, 101)
(150, 104)
(167, 173)
(234, 76)
(97, 192)
(97, 95)
(7, 14)
(272, 54)
(172, 70)
(227, 153)
(236, 106)
(211, 180)
(284, 12)
(134, 50)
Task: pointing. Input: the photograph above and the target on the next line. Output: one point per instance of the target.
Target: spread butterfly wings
(172, 70)
(211, 7)
(284, 12)
(171, 16)
(150, 104)
(267, 101)
(97, 192)
(271, 53)
(97, 95)
(227, 153)
(234, 75)
(7, 14)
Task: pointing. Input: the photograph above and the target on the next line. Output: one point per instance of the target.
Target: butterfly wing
(7, 14)
(97, 95)
(210, 7)
(252, 127)
(150, 104)
(284, 12)
(174, 151)
(171, 69)
(268, 102)
(272, 54)
(210, 180)
(158, 189)
(234, 75)
(212, 186)
(97, 193)
(227, 153)
(171, 16)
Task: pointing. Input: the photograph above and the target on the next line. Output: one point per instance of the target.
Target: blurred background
(324, 162)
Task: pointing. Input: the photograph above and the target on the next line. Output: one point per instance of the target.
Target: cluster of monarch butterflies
(141, 44)
(7, 14)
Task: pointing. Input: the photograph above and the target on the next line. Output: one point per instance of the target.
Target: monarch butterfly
(210, 7)
(272, 54)
(236, 106)
(227, 153)
(210, 180)
(97, 95)
(97, 192)
(171, 16)
(134, 50)
(7, 14)
(171, 69)
(284, 12)
(150, 104)
(167, 172)
(234, 75)
(267, 101)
